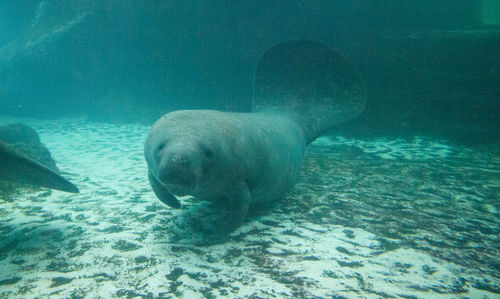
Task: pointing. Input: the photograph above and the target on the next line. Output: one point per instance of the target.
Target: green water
(402, 201)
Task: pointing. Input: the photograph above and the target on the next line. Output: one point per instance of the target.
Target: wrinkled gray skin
(301, 89)
(21, 169)
(239, 158)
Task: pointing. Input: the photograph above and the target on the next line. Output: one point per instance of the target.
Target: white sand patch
(115, 239)
(416, 149)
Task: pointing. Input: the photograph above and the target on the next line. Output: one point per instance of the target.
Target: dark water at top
(429, 67)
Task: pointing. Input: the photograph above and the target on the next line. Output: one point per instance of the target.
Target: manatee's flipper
(314, 84)
(162, 193)
(239, 202)
(18, 168)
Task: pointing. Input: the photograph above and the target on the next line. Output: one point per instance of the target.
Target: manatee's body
(302, 88)
(259, 153)
(17, 168)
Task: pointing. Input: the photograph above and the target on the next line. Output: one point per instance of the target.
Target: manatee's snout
(178, 162)
(178, 170)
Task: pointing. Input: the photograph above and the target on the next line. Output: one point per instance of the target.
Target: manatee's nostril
(180, 161)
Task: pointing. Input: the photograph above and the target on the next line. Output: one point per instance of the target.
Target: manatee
(21, 169)
(301, 90)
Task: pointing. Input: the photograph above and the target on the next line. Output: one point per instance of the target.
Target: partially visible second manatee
(18, 168)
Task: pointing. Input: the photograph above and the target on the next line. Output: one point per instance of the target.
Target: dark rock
(344, 250)
(486, 285)
(176, 273)
(122, 293)
(429, 270)
(58, 281)
(59, 266)
(112, 229)
(350, 264)
(311, 258)
(123, 245)
(141, 259)
(330, 274)
(12, 280)
(18, 261)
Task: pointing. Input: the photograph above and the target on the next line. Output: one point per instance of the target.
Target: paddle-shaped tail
(315, 85)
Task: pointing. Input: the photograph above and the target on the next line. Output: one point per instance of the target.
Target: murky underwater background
(403, 201)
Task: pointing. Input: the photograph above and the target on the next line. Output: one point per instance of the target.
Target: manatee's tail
(314, 84)
(17, 168)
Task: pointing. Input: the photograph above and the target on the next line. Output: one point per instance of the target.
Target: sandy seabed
(368, 218)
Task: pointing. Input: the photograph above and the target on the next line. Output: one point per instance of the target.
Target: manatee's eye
(161, 146)
(208, 160)
(208, 153)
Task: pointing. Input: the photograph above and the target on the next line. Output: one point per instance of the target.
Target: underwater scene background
(402, 201)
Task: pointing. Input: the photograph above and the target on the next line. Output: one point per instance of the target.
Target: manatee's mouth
(179, 167)
(180, 185)
(178, 181)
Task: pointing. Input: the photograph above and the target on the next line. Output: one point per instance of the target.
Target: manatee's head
(178, 154)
